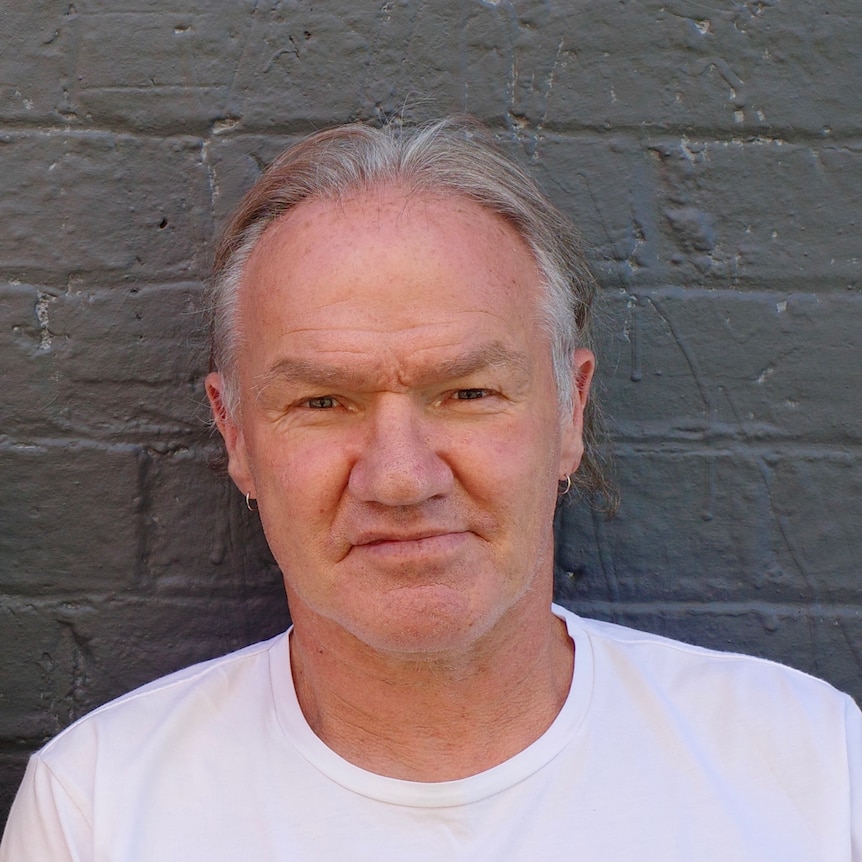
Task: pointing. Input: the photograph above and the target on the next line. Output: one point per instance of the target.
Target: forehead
(390, 262)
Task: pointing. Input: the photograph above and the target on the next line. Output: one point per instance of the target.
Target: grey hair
(455, 156)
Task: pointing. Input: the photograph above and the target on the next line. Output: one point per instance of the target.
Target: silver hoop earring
(568, 486)
(248, 503)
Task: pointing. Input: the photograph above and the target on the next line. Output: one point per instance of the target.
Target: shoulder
(216, 687)
(689, 673)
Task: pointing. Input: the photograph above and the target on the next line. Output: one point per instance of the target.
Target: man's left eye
(470, 394)
(322, 403)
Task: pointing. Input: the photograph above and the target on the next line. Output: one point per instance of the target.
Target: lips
(401, 546)
(383, 537)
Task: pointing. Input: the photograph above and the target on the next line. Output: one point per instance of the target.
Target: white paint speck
(42, 317)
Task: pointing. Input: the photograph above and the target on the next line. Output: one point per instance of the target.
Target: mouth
(384, 537)
(403, 545)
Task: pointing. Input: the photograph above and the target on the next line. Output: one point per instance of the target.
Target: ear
(572, 437)
(231, 432)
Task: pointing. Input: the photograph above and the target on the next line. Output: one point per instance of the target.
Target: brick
(125, 363)
(326, 65)
(701, 526)
(158, 69)
(761, 210)
(26, 367)
(135, 640)
(514, 57)
(814, 502)
(606, 186)
(691, 528)
(698, 365)
(749, 67)
(69, 515)
(189, 68)
(98, 202)
(31, 645)
(12, 766)
(61, 660)
(746, 212)
(235, 162)
(133, 359)
(34, 62)
(202, 540)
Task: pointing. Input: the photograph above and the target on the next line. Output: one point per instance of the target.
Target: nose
(398, 464)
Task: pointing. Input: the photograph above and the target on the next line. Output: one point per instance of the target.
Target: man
(402, 383)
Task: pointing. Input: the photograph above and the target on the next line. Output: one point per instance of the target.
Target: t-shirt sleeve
(45, 824)
(854, 751)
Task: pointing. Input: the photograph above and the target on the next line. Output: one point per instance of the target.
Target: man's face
(398, 422)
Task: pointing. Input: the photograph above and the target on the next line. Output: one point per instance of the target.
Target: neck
(437, 718)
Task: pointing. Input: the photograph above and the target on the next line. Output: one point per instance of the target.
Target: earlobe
(572, 443)
(231, 433)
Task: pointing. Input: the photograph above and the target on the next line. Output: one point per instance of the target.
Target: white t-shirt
(662, 751)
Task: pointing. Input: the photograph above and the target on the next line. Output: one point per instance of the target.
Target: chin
(427, 622)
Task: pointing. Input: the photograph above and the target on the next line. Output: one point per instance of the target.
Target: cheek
(299, 500)
(298, 475)
(525, 453)
(513, 474)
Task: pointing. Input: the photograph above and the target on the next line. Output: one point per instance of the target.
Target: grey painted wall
(712, 154)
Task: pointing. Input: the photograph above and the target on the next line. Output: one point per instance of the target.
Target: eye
(471, 394)
(323, 402)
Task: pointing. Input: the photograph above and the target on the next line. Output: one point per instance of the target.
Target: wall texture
(711, 152)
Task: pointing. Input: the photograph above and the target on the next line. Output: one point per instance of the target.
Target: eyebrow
(295, 370)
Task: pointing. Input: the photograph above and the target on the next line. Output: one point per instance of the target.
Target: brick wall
(711, 152)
